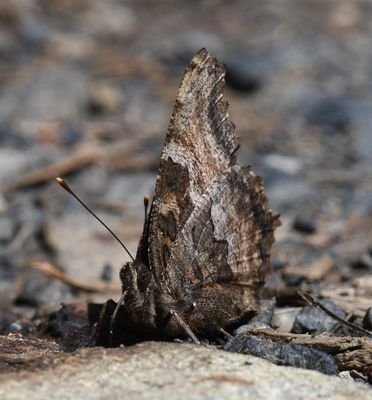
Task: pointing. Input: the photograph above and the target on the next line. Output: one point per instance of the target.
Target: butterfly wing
(228, 236)
(209, 219)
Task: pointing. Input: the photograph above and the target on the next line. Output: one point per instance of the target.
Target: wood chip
(349, 299)
(55, 273)
(314, 272)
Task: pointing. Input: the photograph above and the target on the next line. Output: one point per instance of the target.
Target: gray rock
(284, 317)
(312, 320)
(363, 262)
(367, 319)
(304, 225)
(172, 371)
(44, 93)
(40, 290)
(244, 74)
(262, 319)
(7, 229)
(330, 112)
(295, 355)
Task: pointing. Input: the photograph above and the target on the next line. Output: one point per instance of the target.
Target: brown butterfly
(206, 244)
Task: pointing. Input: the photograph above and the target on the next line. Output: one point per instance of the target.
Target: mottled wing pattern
(228, 236)
(199, 147)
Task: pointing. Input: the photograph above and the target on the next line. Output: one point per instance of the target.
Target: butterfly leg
(100, 336)
(225, 333)
(113, 317)
(184, 325)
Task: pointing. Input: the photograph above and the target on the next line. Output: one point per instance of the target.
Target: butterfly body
(205, 247)
(205, 310)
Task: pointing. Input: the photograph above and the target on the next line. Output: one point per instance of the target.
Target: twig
(331, 344)
(338, 325)
(350, 299)
(82, 157)
(55, 273)
(25, 232)
(320, 306)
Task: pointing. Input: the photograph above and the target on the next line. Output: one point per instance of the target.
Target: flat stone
(292, 354)
(312, 320)
(155, 370)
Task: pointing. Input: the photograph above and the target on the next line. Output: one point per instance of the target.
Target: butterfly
(206, 242)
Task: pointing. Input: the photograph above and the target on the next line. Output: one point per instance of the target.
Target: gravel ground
(87, 89)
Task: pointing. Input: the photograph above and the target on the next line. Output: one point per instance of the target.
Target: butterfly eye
(193, 306)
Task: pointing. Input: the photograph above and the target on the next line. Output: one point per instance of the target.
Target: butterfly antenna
(62, 183)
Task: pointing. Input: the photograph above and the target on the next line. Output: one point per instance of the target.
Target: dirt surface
(173, 371)
(86, 92)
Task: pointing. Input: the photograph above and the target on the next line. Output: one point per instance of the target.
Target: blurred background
(86, 92)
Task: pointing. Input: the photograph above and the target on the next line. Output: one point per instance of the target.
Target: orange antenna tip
(62, 183)
(146, 200)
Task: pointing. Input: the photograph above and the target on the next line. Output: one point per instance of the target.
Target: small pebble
(367, 319)
(242, 78)
(15, 327)
(7, 229)
(107, 273)
(330, 113)
(304, 225)
(311, 320)
(364, 262)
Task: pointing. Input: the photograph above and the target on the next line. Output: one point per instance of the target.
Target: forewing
(200, 146)
(227, 237)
